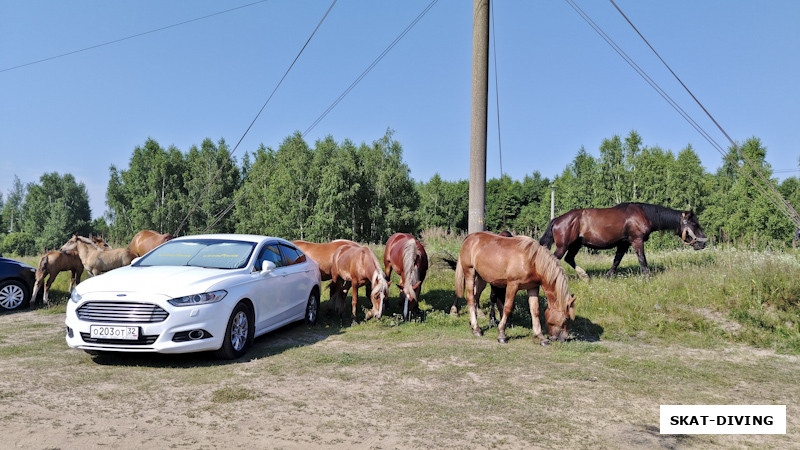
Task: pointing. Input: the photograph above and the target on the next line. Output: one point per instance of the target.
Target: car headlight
(74, 296)
(198, 299)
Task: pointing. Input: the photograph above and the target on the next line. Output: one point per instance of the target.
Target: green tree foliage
(12, 207)
(150, 195)
(211, 178)
(18, 243)
(443, 204)
(55, 209)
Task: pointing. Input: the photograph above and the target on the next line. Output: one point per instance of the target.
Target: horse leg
(474, 288)
(622, 248)
(638, 247)
(536, 325)
(47, 285)
(496, 300)
(511, 291)
(570, 259)
(355, 303)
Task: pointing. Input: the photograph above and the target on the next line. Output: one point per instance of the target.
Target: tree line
(365, 193)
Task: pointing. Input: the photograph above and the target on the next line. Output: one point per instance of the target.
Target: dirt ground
(303, 389)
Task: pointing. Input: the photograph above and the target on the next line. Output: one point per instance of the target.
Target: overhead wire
(352, 85)
(370, 67)
(497, 105)
(780, 204)
(205, 192)
(115, 41)
(777, 197)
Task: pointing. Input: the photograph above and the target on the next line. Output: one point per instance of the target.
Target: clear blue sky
(560, 86)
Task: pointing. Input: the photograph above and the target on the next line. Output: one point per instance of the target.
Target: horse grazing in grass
(357, 266)
(146, 240)
(497, 295)
(95, 260)
(408, 258)
(322, 254)
(621, 226)
(50, 265)
(514, 263)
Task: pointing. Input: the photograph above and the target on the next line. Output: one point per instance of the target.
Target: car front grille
(121, 312)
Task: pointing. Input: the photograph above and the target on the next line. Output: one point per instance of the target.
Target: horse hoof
(453, 311)
(477, 333)
(502, 340)
(544, 343)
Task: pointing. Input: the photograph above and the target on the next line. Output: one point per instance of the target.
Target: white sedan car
(196, 293)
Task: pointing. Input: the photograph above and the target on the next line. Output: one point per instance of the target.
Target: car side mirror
(268, 267)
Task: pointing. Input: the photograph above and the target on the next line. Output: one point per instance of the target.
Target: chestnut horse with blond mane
(357, 266)
(515, 263)
(408, 258)
(146, 240)
(322, 254)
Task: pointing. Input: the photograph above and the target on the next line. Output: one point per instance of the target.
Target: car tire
(14, 294)
(238, 333)
(312, 308)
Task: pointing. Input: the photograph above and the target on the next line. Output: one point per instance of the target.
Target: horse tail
(41, 271)
(459, 280)
(547, 238)
(410, 257)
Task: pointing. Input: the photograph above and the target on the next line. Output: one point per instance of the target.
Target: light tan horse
(408, 258)
(50, 265)
(357, 266)
(53, 263)
(146, 240)
(95, 260)
(515, 263)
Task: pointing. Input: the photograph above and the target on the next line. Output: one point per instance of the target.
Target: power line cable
(115, 41)
(369, 68)
(204, 193)
(497, 105)
(782, 203)
(245, 189)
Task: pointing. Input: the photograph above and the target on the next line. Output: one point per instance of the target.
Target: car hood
(172, 281)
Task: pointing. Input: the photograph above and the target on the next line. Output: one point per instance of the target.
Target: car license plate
(111, 332)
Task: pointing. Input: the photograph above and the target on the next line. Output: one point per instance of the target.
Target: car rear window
(202, 253)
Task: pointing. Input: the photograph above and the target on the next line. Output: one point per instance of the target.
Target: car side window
(293, 255)
(270, 253)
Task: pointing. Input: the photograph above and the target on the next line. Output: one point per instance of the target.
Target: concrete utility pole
(480, 95)
(552, 201)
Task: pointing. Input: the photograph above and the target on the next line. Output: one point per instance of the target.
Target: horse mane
(410, 271)
(660, 217)
(378, 280)
(87, 241)
(548, 266)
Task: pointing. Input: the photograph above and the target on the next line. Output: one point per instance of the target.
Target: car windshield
(212, 253)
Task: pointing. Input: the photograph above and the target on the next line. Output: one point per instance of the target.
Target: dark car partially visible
(16, 283)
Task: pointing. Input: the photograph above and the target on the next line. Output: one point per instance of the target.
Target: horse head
(691, 232)
(71, 245)
(99, 242)
(380, 290)
(558, 320)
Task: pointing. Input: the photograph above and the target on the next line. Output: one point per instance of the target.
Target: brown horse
(322, 254)
(357, 266)
(146, 240)
(515, 263)
(497, 295)
(621, 226)
(50, 265)
(95, 260)
(408, 258)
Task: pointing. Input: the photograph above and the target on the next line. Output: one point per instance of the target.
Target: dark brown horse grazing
(357, 266)
(408, 258)
(515, 263)
(50, 265)
(146, 240)
(621, 226)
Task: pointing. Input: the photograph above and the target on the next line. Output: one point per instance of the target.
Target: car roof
(255, 238)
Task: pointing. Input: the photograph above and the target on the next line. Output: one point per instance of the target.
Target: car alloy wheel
(312, 308)
(12, 295)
